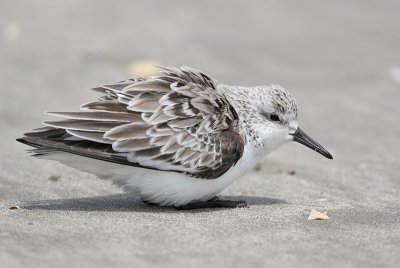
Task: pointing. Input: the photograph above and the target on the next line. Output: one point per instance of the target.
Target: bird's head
(275, 120)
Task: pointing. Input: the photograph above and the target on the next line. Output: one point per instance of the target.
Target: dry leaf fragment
(54, 177)
(316, 215)
(257, 167)
(291, 172)
(143, 68)
(11, 31)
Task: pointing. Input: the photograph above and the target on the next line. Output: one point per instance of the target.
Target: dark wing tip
(25, 140)
(20, 140)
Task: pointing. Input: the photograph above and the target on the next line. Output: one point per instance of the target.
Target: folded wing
(177, 121)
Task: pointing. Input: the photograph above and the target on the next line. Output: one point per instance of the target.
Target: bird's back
(176, 122)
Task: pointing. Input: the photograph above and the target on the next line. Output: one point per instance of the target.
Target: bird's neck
(240, 99)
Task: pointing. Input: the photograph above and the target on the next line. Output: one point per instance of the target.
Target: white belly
(171, 188)
(160, 187)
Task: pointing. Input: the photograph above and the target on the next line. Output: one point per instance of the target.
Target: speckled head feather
(264, 112)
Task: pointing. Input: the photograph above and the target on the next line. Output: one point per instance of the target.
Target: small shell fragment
(13, 207)
(316, 215)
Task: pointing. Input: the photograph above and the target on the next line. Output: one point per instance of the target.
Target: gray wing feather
(178, 121)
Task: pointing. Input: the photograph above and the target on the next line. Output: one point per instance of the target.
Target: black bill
(304, 139)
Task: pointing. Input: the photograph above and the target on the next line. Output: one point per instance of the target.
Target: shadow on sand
(126, 202)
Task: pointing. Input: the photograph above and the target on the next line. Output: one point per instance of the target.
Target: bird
(174, 139)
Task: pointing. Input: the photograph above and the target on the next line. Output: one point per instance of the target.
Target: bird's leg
(214, 203)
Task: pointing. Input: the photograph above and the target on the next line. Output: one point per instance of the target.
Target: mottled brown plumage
(173, 139)
(177, 122)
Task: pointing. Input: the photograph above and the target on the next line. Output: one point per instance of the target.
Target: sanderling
(177, 139)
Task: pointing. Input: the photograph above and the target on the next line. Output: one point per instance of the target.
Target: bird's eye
(274, 117)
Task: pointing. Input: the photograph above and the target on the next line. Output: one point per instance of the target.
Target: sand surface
(340, 59)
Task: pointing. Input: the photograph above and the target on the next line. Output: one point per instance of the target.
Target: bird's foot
(149, 203)
(214, 203)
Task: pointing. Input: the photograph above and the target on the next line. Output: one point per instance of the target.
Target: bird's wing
(177, 121)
